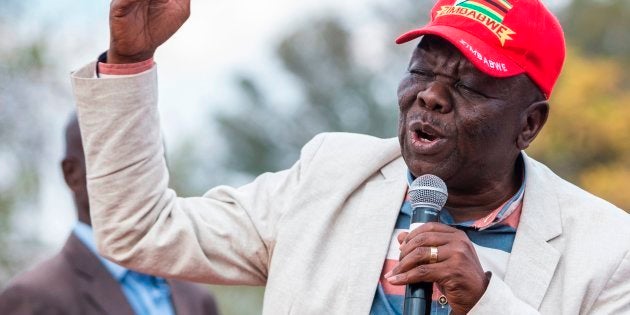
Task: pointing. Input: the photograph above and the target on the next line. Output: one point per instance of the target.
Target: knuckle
(419, 240)
(463, 244)
(422, 270)
(458, 252)
(420, 251)
(401, 237)
(451, 284)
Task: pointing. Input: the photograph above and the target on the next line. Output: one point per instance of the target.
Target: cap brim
(483, 56)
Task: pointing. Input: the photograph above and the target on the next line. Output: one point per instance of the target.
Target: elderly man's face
(457, 122)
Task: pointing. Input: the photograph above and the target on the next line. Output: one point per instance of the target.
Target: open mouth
(425, 136)
(425, 139)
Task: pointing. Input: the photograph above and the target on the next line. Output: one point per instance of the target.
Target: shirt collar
(85, 234)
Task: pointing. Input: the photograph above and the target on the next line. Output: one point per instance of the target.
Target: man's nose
(436, 97)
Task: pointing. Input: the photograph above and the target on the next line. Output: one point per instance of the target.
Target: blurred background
(244, 84)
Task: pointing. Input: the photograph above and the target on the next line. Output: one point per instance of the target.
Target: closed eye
(421, 73)
(469, 90)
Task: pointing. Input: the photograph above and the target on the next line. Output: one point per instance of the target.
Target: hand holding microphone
(428, 195)
(435, 252)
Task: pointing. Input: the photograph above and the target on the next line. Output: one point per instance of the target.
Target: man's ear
(534, 118)
(71, 175)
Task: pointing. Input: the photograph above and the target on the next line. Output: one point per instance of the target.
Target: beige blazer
(316, 235)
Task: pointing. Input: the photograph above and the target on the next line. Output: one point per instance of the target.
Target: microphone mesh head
(428, 191)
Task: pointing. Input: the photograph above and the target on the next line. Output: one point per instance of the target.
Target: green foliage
(29, 57)
(587, 138)
(21, 142)
(337, 95)
(238, 300)
(599, 27)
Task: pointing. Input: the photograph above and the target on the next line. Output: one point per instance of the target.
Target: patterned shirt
(492, 237)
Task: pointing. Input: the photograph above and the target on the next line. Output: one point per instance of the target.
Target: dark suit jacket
(75, 282)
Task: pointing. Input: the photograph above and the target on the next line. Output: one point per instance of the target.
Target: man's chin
(419, 166)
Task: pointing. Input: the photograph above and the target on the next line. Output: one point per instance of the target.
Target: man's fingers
(401, 237)
(425, 240)
(421, 273)
(431, 227)
(419, 256)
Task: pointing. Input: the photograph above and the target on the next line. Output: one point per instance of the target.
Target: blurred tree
(22, 64)
(339, 89)
(599, 27)
(587, 138)
(338, 95)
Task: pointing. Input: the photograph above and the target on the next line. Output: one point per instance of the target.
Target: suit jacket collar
(533, 260)
(380, 205)
(95, 282)
(85, 234)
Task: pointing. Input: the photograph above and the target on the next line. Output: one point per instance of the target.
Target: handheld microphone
(428, 195)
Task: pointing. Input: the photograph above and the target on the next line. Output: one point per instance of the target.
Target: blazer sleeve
(615, 297)
(223, 237)
(499, 296)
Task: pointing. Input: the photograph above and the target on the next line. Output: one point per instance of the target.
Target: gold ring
(433, 258)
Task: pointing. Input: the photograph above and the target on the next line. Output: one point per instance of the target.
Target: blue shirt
(147, 295)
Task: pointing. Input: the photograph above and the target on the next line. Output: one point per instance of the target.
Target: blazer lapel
(533, 260)
(380, 205)
(96, 283)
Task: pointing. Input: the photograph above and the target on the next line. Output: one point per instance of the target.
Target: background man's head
(73, 167)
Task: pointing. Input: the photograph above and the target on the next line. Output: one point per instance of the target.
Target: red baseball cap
(502, 38)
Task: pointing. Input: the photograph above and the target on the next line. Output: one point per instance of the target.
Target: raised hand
(139, 27)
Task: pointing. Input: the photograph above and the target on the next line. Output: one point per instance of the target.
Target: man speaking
(329, 235)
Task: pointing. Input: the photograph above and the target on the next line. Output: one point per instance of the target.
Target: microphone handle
(418, 299)
(418, 295)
